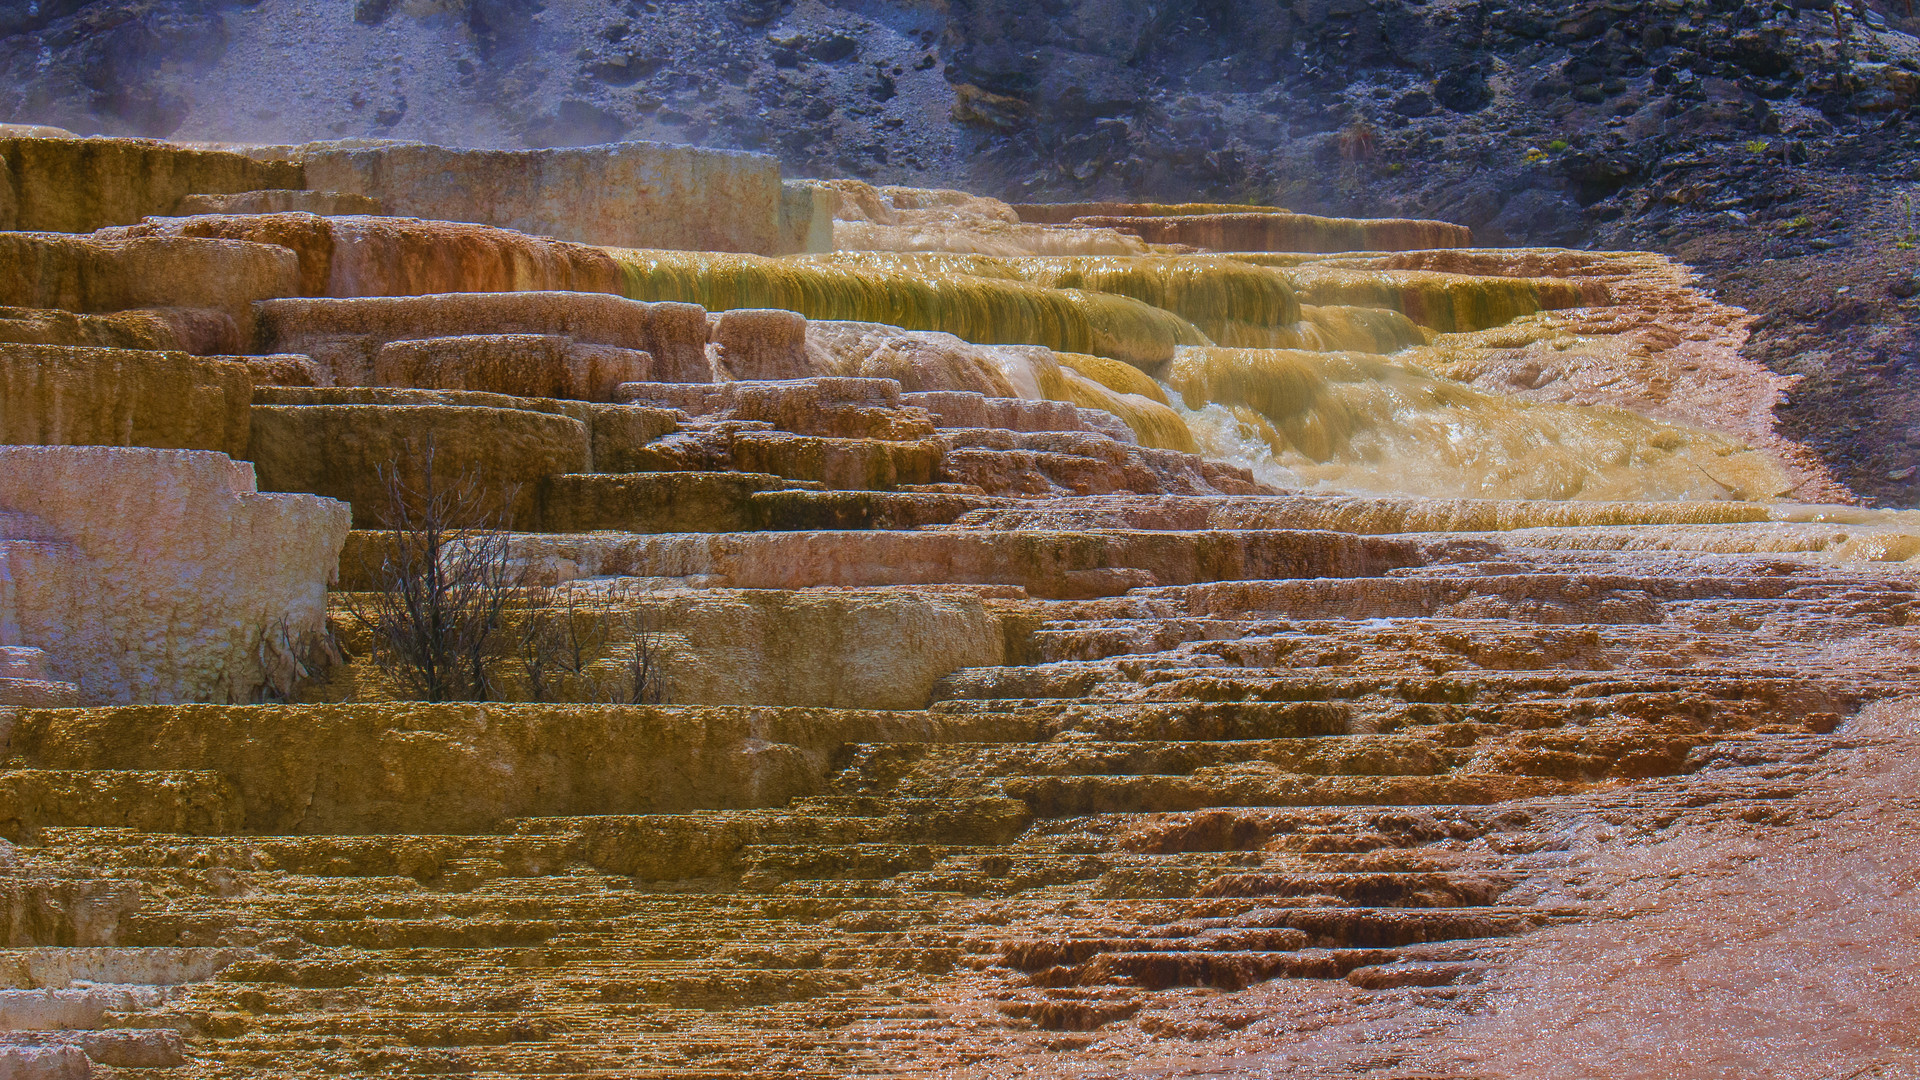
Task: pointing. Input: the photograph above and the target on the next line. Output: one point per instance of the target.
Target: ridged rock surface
(326, 203)
(192, 330)
(522, 365)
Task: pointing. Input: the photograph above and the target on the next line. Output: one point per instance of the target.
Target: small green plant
(1535, 154)
(1557, 146)
(1907, 235)
(1397, 168)
(1793, 224)
(1758, 146)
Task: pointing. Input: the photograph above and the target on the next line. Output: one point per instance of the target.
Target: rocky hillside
(1771, 144)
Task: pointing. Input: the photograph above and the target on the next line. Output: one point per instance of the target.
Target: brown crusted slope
(873, 702)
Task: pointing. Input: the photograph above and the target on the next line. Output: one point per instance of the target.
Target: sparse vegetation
(574, 647)
(444, 579)
(1758, 146)
(1558, 146)
(639, 678)
(1357, 142)
(558, 639)
(291, 659)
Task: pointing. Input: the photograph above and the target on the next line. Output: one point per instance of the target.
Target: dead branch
(444, 579)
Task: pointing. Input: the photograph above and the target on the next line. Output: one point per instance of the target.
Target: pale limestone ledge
(159, 576)
(634, 194)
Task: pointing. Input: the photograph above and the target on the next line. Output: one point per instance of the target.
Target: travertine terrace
(1096, 639)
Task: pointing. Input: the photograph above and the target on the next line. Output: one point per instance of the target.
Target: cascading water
(1301, 393)
(1360, 422)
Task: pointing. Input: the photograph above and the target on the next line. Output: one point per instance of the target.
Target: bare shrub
(558, 639)
(642, 678)
(289, 660)
(444, 579)
(576, 648)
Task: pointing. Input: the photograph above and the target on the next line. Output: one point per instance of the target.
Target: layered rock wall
(1443, 302)
(161, 576)
(325, 203)
(85, 274)
(389, 256)
(1049, 563)
(1288, 232)
(374, 768)
(75, 185)
(642, 195)
(192, 330)
(980, 310)
(347, 452)
(56, 396)
(523, 365)
(618, 435)
(344, 336)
